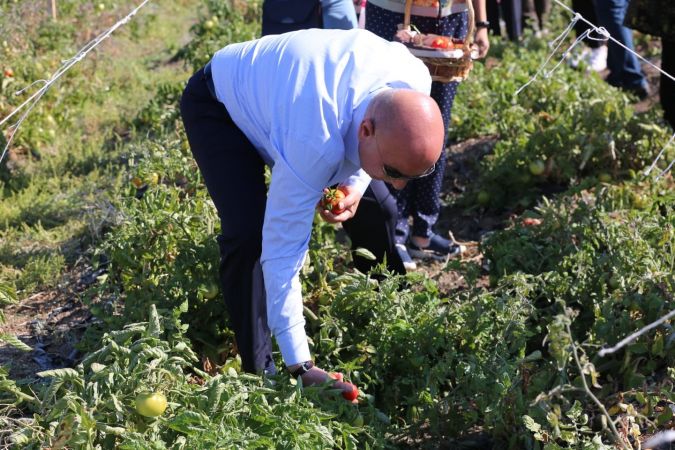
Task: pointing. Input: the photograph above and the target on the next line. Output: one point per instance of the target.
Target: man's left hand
(349, 203)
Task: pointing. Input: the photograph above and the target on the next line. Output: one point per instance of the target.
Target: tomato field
(113, 329)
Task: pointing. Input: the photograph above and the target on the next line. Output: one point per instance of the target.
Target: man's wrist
(297, 370)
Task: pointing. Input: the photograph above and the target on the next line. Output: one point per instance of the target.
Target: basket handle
(472, 25)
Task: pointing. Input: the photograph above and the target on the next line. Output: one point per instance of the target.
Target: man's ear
(367, 128)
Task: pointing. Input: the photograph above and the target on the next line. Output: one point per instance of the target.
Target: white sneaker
(598, 58)
(408, 263)
(575, 59)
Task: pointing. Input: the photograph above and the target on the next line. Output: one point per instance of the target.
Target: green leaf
(14, 342)
(530, 424)
(365, 253)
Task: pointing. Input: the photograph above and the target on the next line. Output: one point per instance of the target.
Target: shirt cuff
(359, 181)
(293, 345)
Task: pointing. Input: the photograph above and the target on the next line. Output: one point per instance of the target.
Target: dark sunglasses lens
(396, 175)
(393, 173)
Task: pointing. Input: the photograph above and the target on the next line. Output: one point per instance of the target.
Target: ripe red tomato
(351, 395)
(440, 42)
(531, 222)
(331, 200)
(9, 73)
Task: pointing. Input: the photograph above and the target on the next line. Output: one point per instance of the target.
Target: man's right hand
(316, 375)
(349, 203)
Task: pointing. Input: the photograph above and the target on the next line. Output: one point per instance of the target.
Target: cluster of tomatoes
(445, 43)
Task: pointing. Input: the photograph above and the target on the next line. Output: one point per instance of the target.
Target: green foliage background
(509, 357)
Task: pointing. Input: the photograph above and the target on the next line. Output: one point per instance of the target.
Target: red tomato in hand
(351, 395)
(331, 200)
(440, 42)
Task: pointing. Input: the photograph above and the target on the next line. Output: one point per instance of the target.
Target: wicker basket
(444, 66)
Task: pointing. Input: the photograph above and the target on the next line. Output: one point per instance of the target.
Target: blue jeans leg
(625, 71)
(339, 14)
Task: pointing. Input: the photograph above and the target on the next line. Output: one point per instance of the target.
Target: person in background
(282, 16)
(594, 52)
(339, 14)
(319, 107)
(420, 199)
(512, 13)
(535, 15)
(657, 17)
(624, 67)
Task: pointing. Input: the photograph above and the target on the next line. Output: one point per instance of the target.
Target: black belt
(208, 78)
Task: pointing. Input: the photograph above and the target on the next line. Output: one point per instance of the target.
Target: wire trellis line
(557, 43)
(595, 27)
(628, 339)
(31, 101)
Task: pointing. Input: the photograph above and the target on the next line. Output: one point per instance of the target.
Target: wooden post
(54, 10)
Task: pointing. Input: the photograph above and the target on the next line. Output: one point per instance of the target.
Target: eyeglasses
(395, 174)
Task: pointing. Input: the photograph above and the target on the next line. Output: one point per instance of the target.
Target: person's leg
(229, 163)
(667, 89)
(543, 8)
(384, 23)
(530, 15)
(587, 10)
(493, 16)
(425, 193)
(373, 228)
(625, 70)
(513, 16)
(339, 14)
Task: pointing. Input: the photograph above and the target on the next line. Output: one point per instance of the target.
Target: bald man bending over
(320, 107)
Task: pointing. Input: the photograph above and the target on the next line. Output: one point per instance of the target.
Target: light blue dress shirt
(300, 98)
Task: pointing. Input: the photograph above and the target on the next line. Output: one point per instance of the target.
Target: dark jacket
(655, 17)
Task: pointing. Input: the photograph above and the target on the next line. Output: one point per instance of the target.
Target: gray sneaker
(439, 248)
(408, 263)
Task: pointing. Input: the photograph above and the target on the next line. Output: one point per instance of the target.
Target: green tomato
(210, 290)
(537, 167)
(614, 281)
(150, 404)
(604, 177)
(483, 198)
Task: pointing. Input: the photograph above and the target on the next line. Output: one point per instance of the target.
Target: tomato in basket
(440, 42)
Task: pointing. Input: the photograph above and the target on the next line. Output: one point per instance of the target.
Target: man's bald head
(409, 129)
